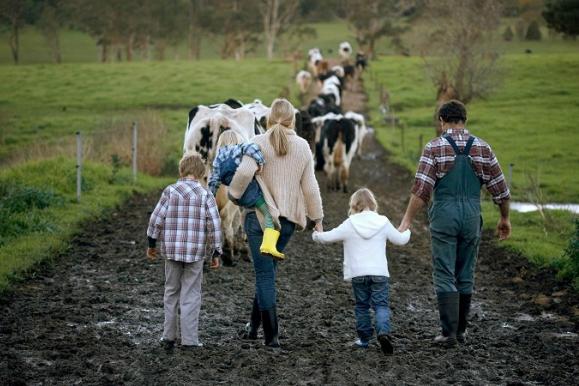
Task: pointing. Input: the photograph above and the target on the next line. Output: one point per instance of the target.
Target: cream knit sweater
(288, 183)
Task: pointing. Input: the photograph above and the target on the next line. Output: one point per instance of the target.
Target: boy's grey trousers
(182, 290)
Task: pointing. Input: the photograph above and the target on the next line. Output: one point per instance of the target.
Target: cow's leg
(344, 175)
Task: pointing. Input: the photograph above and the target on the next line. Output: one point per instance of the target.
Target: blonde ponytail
(281, 118)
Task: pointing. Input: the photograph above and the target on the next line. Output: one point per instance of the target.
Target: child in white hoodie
(364, 235)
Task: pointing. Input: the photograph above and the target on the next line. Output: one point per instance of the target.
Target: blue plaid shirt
(235, 153)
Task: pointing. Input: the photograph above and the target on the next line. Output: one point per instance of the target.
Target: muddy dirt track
(95, 316)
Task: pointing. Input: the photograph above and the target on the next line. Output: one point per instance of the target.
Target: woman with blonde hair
(292, 194)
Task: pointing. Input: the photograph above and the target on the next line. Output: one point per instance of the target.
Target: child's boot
(268, 246)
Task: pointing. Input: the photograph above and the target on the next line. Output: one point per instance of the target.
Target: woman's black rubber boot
(253, 326)
(270, 327)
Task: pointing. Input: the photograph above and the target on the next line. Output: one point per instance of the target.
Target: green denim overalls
(455, 224)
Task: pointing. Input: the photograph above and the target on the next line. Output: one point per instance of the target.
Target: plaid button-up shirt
(186, 222)
(438, 159)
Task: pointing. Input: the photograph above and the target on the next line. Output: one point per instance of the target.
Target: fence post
(78, 165)
(134, 151)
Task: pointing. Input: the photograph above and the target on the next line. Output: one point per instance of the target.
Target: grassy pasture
(49, 102)
(529, 121)
(42, 106)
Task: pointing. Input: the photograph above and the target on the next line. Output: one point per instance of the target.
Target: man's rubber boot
(270, 327)
(463, 311)
(253, 326)
(448, 310)
(269, 244)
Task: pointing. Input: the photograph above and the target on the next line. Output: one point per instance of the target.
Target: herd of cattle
(335, 137)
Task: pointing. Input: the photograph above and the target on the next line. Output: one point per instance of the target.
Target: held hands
(504, 228)
(319, 227)
(259, 169)
(404, 225)
(152, 254)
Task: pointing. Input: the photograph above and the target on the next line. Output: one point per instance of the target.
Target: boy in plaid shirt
(186, 222)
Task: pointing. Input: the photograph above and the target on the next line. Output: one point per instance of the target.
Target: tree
(13, 12)
(460, 52)
(533, 32)
(237, 21)
(508, 35)
(563, 16)
(373, 19)
(195, 28)
(48, 16)
(277, 16)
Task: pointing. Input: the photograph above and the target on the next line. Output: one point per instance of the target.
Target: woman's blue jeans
(265, 266)
(371, 291)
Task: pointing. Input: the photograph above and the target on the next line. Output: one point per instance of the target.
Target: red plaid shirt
(186, 222)
(438, 159)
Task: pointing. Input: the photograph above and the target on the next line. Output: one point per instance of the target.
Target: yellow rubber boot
(268, 246)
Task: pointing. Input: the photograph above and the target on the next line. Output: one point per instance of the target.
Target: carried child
(230, 151)
(364, 235)
(186, 223)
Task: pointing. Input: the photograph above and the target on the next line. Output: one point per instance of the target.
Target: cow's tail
(339, 151)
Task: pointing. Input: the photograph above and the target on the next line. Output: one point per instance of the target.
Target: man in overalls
(453, 167)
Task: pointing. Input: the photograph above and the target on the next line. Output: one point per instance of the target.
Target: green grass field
(530, 121)
(49, 103)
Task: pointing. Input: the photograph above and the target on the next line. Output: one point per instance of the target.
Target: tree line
(124, 29)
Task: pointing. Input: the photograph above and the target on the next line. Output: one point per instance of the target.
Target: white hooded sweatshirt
(364, 235)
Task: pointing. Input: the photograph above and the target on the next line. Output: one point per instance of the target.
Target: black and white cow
(304, 81)
(333, 86)
(314, 58)
(338, 141)
(361, 129)
(345, 51)
(361, 62)
(322, 105)
(206, 123)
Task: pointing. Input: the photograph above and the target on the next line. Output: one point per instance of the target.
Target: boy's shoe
(445, 341)
(167, 344)
(386, 344)
(361, 344)
(189, 347)
(269, 243)
(461, 337)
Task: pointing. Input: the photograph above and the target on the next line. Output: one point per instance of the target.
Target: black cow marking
(233, 103)
(205, 144)
(305, 128)
(192, 114)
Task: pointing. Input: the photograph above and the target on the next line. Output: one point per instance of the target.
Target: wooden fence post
(78, 165)
(134, 151)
